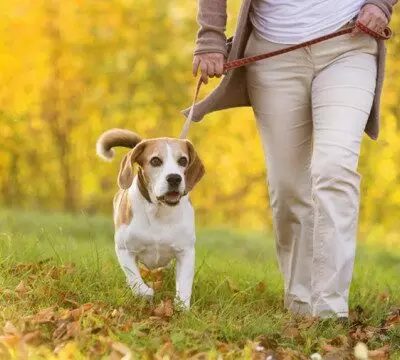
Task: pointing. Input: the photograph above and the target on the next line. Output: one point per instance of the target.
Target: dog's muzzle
(173, 195)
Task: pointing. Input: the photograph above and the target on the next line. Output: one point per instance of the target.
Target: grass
(237, 296)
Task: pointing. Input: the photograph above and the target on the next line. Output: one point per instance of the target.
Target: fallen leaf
(355, 315)
(260, 287)
(10, 329)
(340, 341)
(21, 288)
(199, 356)
(358, 334)
(232, 286)
(164, 309)
(371, 331)
(328, 348)
(307, 322)
(45, 315)
(31, 337)
(384, 296)
(10, 340)
(268, 342)
(292, 332)
(336, 356)
(73, 330)
(289, 354)
(79, 312)
(60, 331)
(155, 285)
(222, 347)
(99, 348)
(9, 294)
(158, 274)
(379, 354)
(166, 350)
(144, 273)
(393, 318)
(123, 350)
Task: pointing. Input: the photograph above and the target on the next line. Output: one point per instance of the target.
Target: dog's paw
(142, 290)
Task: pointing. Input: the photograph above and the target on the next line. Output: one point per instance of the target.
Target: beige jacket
(232, 91)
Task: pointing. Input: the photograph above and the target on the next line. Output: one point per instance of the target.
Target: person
(312, 106)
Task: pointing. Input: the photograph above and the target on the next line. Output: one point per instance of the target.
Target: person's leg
(342, 96)
(279, 90)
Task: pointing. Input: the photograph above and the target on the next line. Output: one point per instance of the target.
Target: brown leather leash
(385, 35)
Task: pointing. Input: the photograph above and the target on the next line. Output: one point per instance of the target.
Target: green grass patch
(237, 296)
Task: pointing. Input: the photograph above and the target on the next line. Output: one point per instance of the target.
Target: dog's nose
(174, 179)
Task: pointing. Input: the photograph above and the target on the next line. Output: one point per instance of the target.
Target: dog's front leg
(184, 276)
(128, 264)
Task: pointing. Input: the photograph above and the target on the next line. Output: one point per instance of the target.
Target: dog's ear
(195, 170)
(125, 176)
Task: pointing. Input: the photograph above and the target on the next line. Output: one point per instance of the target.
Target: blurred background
(70, 69)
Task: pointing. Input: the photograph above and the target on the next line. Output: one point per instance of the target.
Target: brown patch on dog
(195, 170)
(143, 184)
(122, 209)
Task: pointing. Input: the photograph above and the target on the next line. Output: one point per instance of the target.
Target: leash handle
(385, 35)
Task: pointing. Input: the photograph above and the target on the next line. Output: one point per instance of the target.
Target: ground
(64, 296)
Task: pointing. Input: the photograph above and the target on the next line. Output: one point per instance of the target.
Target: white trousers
(311, 107)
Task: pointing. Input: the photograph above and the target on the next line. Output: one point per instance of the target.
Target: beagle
(153, 217)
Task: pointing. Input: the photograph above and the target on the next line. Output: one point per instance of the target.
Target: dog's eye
(183, 161)
(155, 161)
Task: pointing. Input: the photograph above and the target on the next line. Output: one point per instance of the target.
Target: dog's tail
(115, 137)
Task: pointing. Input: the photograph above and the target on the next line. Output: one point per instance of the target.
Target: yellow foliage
(71, 69)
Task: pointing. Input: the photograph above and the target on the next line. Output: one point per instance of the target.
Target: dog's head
(169, 168)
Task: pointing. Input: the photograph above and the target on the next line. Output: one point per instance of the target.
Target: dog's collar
(142, 185)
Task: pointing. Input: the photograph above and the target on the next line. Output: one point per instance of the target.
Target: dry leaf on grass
(232, 286)
(384, 296)
(307, 322)
(75, 314)
(123, 350)
(379, 354)
(155, 285)
(21, 289)
(358, 334)
(166, 350)
(340, 341)
(222, 347)
(60, 331)
(164, 309)
(292, 332)
(337, 348)
(44, 316)
(10, 329)
(260, 287)
(31, 337)
(393, 318)
(289, 354)
(10, 340)
(200, 356)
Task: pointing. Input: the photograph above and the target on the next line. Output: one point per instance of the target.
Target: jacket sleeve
(211, 17)
(385, 5)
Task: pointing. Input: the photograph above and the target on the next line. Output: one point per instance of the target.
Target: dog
(153, 216)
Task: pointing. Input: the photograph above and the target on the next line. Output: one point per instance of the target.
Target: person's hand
(372, 17)
(210, 64)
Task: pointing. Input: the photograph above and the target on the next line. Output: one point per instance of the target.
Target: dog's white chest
(155, 238)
